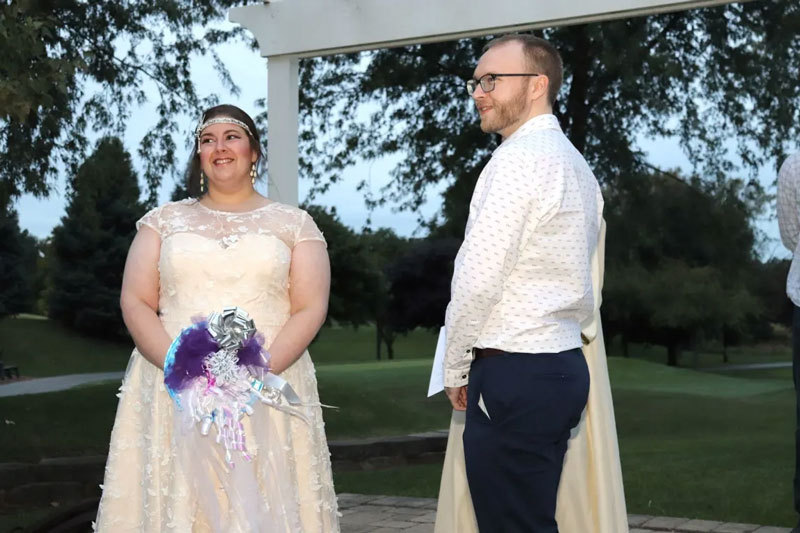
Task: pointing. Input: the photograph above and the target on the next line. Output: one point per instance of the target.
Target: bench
(8, 372)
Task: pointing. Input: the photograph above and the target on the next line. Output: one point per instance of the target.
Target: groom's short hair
(543, 58)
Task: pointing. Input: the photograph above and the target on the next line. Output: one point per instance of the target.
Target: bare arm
(139, 297)
(309, 287)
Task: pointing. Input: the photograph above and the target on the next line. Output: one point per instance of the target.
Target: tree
(677, 74)
(383, 248)
(18, 255)
(420, 284)
(353, 281)
(769, 283)
(360, 290)
(90, 245)
(679, 261)
(71, 65)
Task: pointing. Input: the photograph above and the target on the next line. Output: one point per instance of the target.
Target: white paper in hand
(436, 383)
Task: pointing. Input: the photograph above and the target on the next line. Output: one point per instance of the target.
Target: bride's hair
(224, 110)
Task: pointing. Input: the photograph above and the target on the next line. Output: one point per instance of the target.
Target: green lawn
(690, 446)
(40, 347)
(698, 444)
(379, 398)
(710, 357)
(344, 344)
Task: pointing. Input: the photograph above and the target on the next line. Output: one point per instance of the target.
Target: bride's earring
(201, 181)
(253, 174)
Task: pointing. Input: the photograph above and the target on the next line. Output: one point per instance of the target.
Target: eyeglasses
(487, 82)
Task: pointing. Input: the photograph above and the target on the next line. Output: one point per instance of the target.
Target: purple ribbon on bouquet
(217, 369)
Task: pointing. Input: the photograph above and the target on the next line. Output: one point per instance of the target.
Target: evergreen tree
(18, 255)
(90, 246)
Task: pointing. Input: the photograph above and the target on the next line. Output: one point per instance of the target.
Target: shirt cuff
(457, 362)
(456, 378)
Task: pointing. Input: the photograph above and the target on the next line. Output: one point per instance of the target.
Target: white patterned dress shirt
(789, 220)
(522, 279)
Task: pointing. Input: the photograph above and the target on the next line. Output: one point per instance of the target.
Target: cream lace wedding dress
(210, 260)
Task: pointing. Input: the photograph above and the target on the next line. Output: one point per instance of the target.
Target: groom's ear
(540, 87)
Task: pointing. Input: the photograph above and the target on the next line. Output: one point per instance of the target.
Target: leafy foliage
(354, 283)
(18, 257)
(679, 262)
(362, 289)
(72, 66)
(420, 284)
(90, 246)
(712, 77)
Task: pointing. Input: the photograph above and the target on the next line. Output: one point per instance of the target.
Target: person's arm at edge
(788, 206)
(139, 297)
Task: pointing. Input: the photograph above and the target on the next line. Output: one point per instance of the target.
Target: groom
(521, 287)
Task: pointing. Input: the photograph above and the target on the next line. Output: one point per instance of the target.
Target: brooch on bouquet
(217, 371)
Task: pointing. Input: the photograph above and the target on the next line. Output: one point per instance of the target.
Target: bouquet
(217, 371)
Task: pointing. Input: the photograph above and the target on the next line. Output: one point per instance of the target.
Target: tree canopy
(715, 78)
(72, 66)
(680, 262)
(18, 259)
(90, 246)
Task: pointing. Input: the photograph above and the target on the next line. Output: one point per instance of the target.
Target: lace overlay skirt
(146, 487)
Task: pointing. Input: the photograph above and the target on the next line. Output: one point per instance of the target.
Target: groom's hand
(457, 397)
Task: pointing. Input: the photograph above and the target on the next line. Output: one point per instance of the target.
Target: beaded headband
(221, 120)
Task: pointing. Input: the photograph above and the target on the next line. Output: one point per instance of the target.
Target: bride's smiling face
(226, 155)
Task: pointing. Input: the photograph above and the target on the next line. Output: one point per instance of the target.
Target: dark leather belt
(481, 353)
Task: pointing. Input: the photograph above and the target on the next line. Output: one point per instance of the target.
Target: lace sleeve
(308, 230)
(151, 219)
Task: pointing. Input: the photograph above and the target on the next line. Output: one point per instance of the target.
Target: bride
(228, 247)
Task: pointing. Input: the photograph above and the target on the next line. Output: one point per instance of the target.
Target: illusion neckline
(248, 212)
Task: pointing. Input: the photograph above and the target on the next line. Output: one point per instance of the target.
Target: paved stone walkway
(395, 514)
(56, 383)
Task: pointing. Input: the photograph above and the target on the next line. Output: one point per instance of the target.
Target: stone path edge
(360, 512)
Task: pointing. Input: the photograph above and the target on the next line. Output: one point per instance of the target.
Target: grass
(380, 399)
(639, 375)
(419, 481)
(25, 518)
(701, 452)
(344, 344)
(375, 399)
(711, 356)
(708, 457)
(41, 347)
(700, 444)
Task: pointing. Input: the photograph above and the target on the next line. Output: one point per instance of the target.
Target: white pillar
(282, 129)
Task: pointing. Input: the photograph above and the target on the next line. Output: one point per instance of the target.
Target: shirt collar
(547, 121)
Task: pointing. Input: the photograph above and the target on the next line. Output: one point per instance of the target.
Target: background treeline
(681, 267)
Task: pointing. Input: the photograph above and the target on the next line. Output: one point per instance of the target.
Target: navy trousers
(514, 450)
